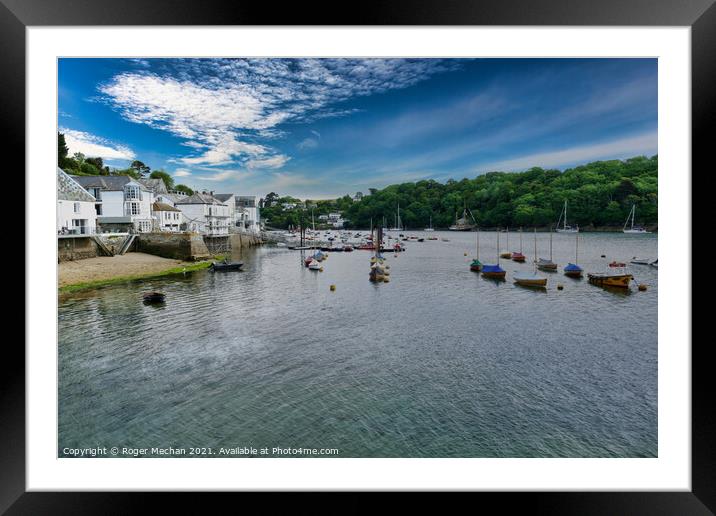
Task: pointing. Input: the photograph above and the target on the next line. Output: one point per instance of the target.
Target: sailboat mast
(565, 218)
(508, 238)
(576, 251)
(535, 260)
(498, 246)
(550, 243)
(477, 248)
(520, 240)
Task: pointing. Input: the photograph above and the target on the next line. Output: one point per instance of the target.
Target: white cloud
(277, 161)
(626, 147)
(222, 106)
(181, 172)
(95, 146)
(307, 143)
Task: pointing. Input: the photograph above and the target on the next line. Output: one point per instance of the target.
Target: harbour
(439, 362)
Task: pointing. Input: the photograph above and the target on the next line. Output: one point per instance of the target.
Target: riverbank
(106, 270)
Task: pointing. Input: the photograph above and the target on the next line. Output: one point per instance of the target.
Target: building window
(134, 208)
(132, 192)
(98, 209)
(77, 207)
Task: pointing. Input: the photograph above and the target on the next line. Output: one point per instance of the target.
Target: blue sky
(320, 128)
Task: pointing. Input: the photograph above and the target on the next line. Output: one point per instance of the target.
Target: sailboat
(547, 265)
(462, 223)
(632, 229)
(397, 221)
(494, 271)
(531, 279)
(476, 264)
(519, 257)
(565, 228)
(573, 270)
(507, 254)
(430, 228)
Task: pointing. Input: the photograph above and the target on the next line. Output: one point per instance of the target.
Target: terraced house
(205, 214)
(122, 203)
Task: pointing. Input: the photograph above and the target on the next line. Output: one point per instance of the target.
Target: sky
(322, 128)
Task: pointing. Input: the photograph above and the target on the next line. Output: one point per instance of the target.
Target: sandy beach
(108, 267)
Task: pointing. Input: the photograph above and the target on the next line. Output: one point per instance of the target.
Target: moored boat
(544, 264)
(633, 229)
(529, 279)
(494, 271)
(566, 228)
(153, 297)
(610, 279)
(572, 270)
(226, 266)
(315, 265)
(476, 264)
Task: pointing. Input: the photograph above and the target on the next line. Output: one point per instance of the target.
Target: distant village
(89, 205)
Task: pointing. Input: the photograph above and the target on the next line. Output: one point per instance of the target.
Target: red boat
(617, 264)
(308, 260)
(367, 247)
(518, 257)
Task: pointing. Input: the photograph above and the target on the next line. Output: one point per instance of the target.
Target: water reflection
(434, 363)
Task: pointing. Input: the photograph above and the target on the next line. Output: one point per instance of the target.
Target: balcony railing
(77, 231)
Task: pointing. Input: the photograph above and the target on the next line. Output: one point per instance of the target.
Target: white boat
(565, 228)
(632, 229)
(640, 261)
(315, 265)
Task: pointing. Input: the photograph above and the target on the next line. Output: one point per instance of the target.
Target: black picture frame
(700, 15)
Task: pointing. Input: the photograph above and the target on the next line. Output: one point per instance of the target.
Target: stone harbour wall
(76, 249)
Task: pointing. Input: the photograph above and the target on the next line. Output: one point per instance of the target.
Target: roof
(111, 183)
(200, 198)
(155, 185)
(160, 206)
(223, 197)
(70, 190)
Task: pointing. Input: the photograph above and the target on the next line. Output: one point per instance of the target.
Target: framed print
(415, 250)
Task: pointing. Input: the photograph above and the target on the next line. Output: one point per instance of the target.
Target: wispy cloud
(620, 148)
(95, 146)
(222, 106)
(181, 172)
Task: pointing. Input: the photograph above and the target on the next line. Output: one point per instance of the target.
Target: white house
(205, 214)
(76, 214)
(122, 203)
(167, 217)
(247, 208)
(230, 200)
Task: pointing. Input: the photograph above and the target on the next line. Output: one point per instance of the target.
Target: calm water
(437, 363)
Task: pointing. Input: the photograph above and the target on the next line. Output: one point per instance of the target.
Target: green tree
(184, 188)
(140, 168)
(164, 176)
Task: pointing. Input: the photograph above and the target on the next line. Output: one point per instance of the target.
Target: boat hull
(539, 282)
(610, 280)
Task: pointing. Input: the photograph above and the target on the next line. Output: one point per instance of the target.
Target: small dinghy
(153, 297)
(529, 279)
(640, 261)
(226, 266)
(655, 263)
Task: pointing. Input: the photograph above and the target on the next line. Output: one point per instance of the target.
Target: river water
(439, 362)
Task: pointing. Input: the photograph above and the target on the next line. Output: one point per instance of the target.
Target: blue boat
(493, 271)
(573, 270)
